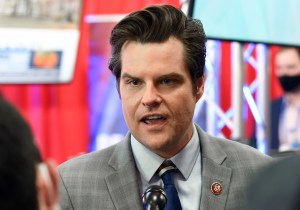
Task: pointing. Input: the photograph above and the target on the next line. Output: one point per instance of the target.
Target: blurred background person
(25, 182)
(277, 186)
(285, 111)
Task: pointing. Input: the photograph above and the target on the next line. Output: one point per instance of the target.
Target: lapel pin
(216, 188)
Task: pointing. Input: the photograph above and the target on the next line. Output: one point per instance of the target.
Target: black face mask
(290, 83)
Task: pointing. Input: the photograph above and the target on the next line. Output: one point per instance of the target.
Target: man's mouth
(152, 119)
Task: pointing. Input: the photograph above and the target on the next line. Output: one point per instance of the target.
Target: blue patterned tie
(166, 173)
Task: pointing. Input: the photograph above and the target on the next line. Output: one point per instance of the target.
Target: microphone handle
(152, 207)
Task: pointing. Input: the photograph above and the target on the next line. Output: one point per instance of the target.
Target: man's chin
(161, 148)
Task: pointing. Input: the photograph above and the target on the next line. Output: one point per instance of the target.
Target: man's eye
(134, 82)
(166, 81)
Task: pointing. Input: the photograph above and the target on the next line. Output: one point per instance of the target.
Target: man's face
(157, 95)
(287, 63)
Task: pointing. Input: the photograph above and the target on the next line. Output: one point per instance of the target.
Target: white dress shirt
(187, 180)
(289, 127)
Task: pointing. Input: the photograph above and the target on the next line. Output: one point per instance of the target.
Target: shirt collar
(184, 160)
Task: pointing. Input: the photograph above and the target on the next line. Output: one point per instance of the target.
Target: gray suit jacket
(108, 179)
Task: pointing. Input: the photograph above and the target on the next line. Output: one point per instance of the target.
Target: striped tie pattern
(166, 171)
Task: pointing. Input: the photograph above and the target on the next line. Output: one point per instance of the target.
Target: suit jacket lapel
(213, 171)
(123, 183)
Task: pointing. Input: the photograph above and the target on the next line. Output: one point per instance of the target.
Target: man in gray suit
(158, 58)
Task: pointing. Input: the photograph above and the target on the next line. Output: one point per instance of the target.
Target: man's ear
(47, 186)
(200, 88)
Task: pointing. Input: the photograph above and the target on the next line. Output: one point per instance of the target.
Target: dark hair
(158, 24)
(18, 158)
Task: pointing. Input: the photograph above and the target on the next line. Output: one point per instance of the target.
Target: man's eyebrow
(173, 74)
(169, 75)
(292, 65)
(126, 75)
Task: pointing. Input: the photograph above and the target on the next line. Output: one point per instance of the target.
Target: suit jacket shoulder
(105, 179)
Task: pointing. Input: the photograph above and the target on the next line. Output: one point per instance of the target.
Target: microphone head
(155, 196)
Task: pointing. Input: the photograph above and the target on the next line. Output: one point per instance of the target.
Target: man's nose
(151, 96)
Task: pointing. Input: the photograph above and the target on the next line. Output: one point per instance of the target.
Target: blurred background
(54, 69)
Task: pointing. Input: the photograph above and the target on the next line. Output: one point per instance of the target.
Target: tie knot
(165, 172)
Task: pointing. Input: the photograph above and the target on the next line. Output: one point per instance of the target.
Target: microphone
(154, 198)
